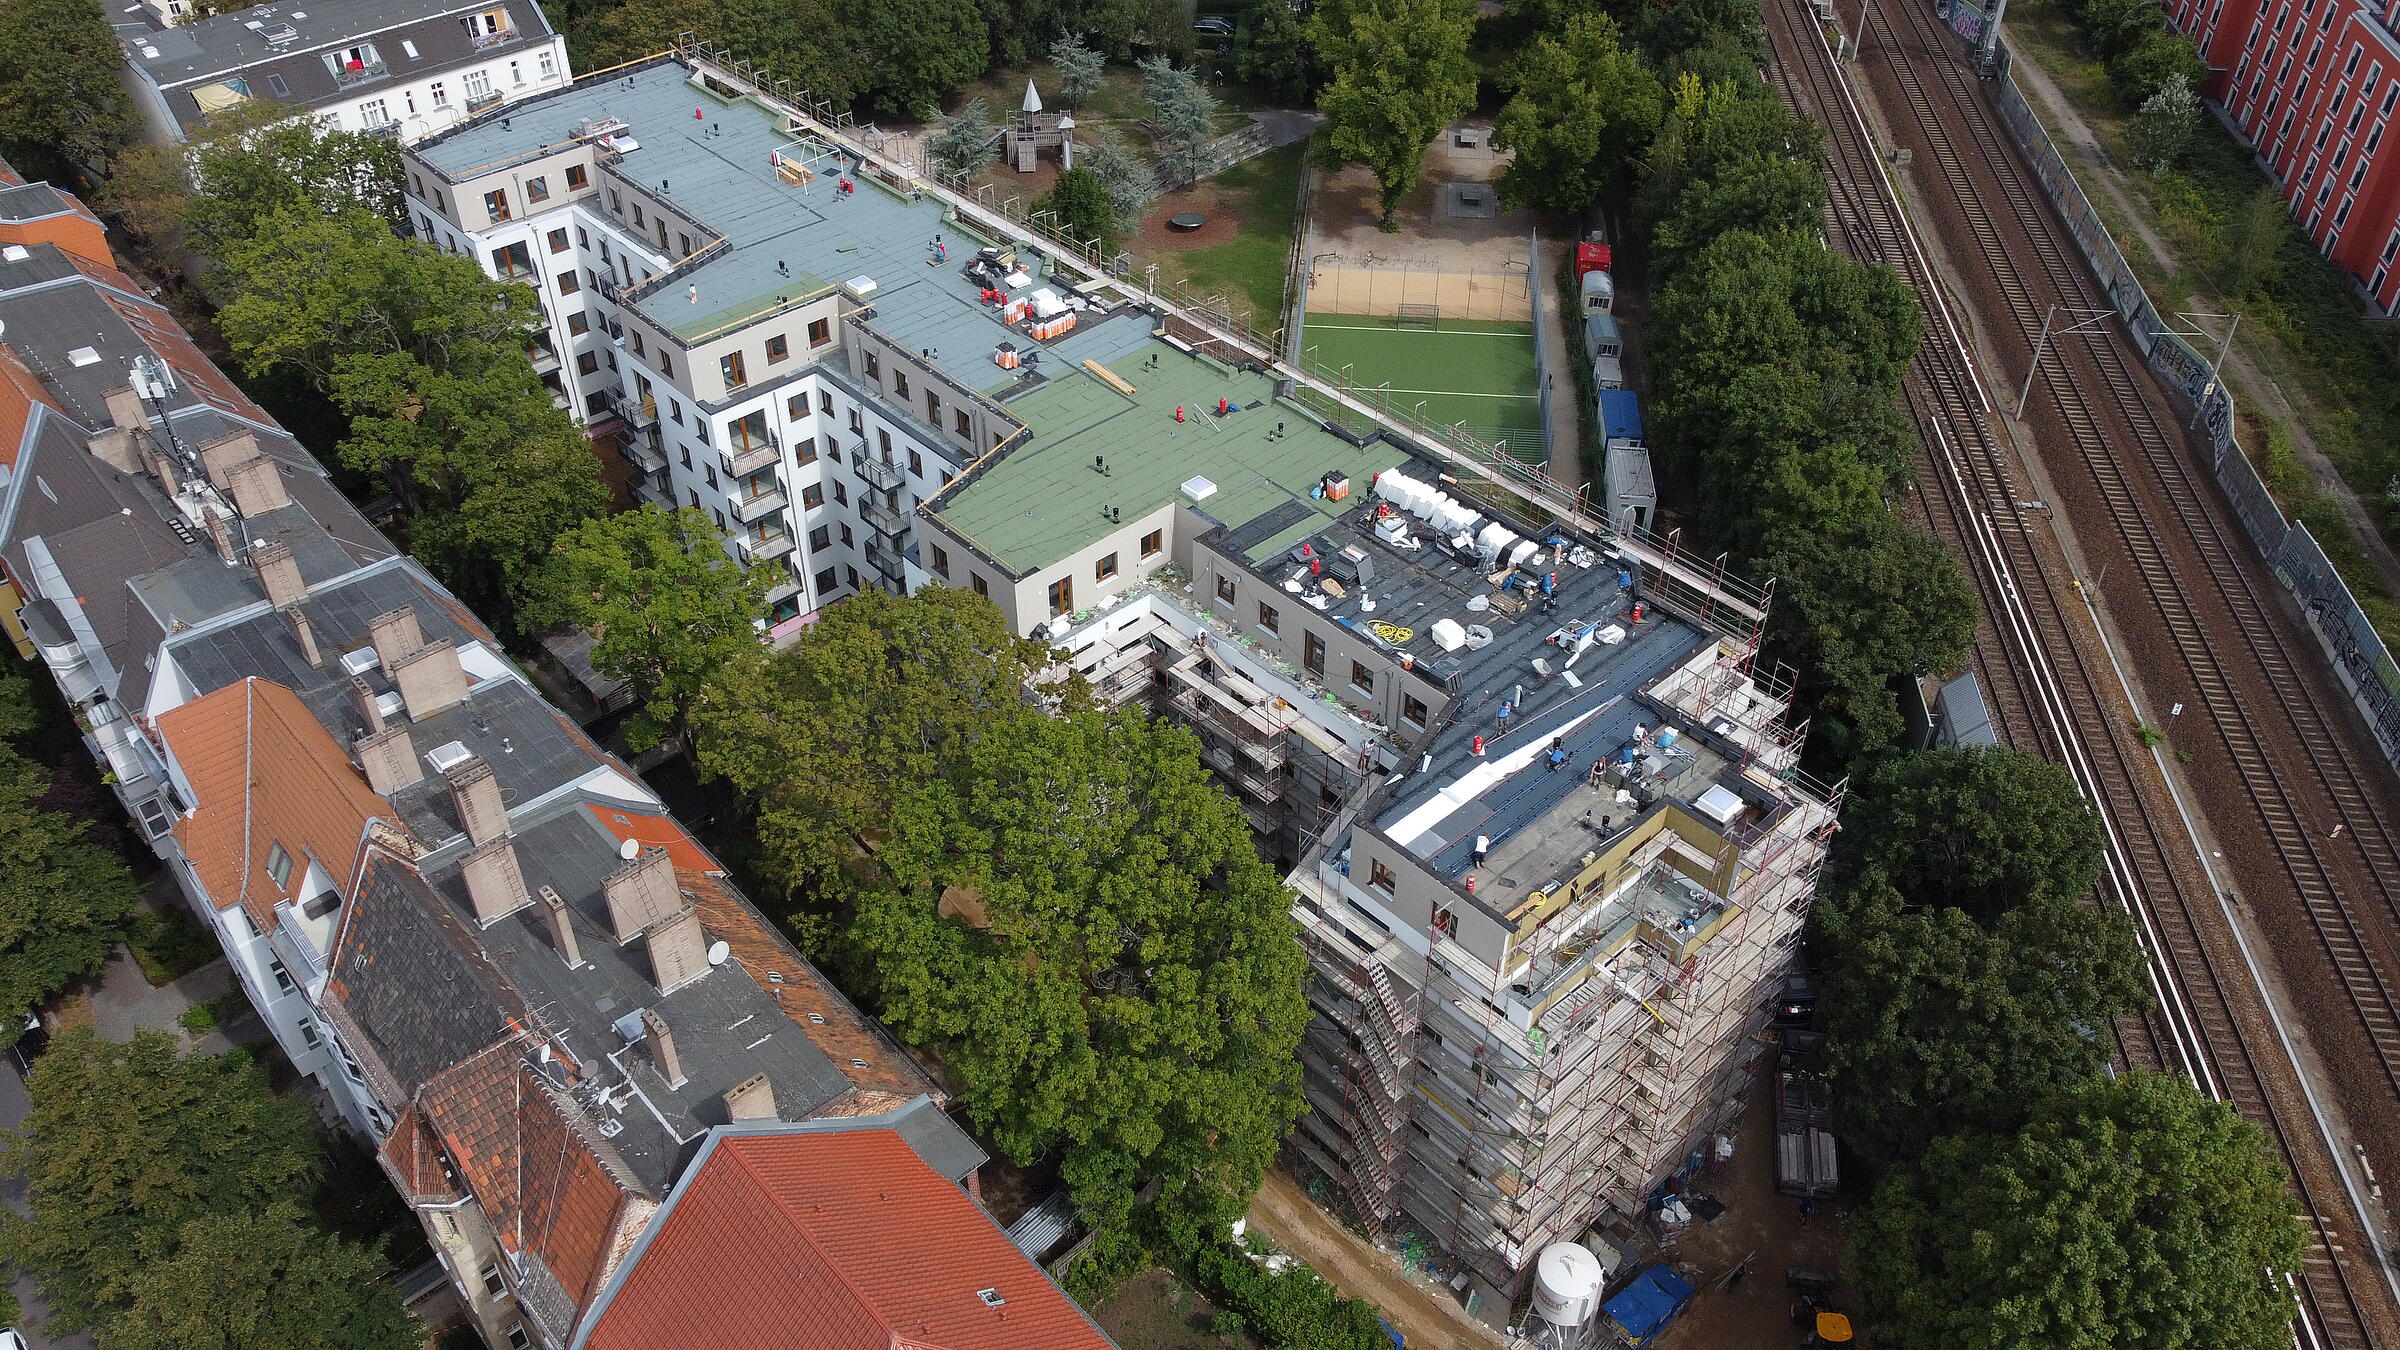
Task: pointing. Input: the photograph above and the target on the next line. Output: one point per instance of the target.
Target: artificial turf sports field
(1476, 371)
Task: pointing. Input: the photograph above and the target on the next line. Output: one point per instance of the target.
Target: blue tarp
(1621, 412)
(1644, 1308)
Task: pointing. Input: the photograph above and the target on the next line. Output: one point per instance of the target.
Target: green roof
(1041, 501)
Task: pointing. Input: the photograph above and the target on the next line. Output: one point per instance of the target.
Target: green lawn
(1265, 193)
(1479, 373)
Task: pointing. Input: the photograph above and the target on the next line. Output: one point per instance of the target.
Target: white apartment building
(402, 68)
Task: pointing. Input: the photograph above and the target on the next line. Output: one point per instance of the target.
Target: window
(961, 425)
(825, 581)
(1153, 542)
(806, 453)
(900, 384)
(820, 332)
(850, 574)
(916, 462)
(847, 541)
(479, 86)
(1225, 590)
(558, 240)
(883, 442)
(874, 367)
(283, 978)
(616, 204)
(579, 322)
(779, 348)
(282, 90)
(820, 538)
(569, 283)
(1312, 655)
(495, 204)
(812, 496)
(675, 411)
(1269, 619)
(933, 407)
(1381, 878)
(375, 112)
(279, 867)
(577, 178)
(841, 495)
(1361, 678)
(1062, 596)
(516, 73)
(941, 561)
(683, 243)
(731, 366)
(440, 92)
(687, 455)
(537, 189)
(825, 406)
(1105, 568)
(308, 1033)
(493, 1285)
(587, 363)
(519, 1338)
(547, 62)
(711, 471)
(982, 588)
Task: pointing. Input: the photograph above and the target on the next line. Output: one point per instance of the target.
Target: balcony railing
(761, 455)
(882, 519)
(478, 102)
(758, 548)
(643, 451)
(481, 41)
(637, 412)
(544, 360)
(887, 562)
(389, 130)
(748, 509)
(875, 471)
(360, 73)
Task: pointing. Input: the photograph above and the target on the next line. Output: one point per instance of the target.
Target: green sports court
(1478, 371)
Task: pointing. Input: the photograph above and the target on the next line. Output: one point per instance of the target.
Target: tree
(962, 145)
(2250, 247)
(1583, 103)
(1185, 114)
(1273, 52)
(62, 111)
(1401, 74)
(2132, 1214)
(270, 1281)
(1079, 919)
(1080, 70)
(1769, 195)
(1859, 608)
(1081, 203)
(245, 165)
(63, 898)
(493, 549)
(1984, 830)
(1132, 185)
(1669, 28)
(1937, 1024)
(2146, 67)
(914, 53)
(2163, 129)
(670, 609)
(126, 1143)
(880, 693)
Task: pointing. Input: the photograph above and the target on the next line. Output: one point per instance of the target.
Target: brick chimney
(678, 951)
(257, 486)
(115, 446)
(662, 1047)
(475, 794)
(389, 760)
(297, 619)
(494, 882)
(430, 679)
(220, 534)
(641, 893)
(219, 457)
(395, 635)
(278, 573)
(562, 929)
(362, 702)
(170, 480)
(753, 1098)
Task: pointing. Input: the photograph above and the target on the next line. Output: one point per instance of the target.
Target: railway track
(2039, 652)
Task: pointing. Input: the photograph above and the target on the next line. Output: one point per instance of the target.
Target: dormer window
(351, 65)
(489, 28)
(279, 867)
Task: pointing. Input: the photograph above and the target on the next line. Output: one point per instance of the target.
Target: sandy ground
(1431, 1319)
(1347, 205)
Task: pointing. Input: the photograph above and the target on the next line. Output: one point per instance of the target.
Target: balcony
(644, 451)
(360, 72)
(486, 41)
(774, 543)
(888, 563)
(637, 412)
(388, 130)
(761, 455)
(882, 519)
(561, 400)
(751, 509)
(544, 359)
(478, 102)
(875, 471)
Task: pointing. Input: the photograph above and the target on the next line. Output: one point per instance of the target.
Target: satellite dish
(718, 951)
(630, 849)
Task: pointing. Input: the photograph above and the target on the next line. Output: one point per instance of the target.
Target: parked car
(1214, 24)
(10, 1340)
(31, 1042)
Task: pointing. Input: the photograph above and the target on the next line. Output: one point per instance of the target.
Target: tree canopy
(127, 1143)
(62, 110)
(671, 610)
(245, 165)
(2127, 1214)
(1080, 69)
(1079, 918)
(63, 899)
(1400, 74)
(267, 1281)
(1983, 830)
(1583, 103)
(1080, 201)
(1185, 114)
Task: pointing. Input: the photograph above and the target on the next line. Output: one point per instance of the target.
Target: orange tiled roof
(19, 391)
(265, 772)
(838, 1028)
(847, 1236)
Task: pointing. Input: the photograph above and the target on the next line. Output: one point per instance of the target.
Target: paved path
(1566, 407)
(1429, 1318)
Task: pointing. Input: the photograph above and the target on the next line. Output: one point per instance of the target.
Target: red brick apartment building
(2313, 84)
